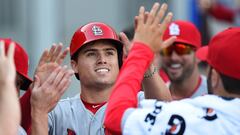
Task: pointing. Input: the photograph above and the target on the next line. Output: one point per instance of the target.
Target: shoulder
(66, 106)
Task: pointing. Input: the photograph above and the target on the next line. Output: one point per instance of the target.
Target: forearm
(39, 123)
(128, 84)
(9, 109)
(154, 87)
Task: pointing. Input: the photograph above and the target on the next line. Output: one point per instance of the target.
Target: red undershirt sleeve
(128, 84)
(26, 110)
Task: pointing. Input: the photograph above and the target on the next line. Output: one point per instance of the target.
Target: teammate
(180, 63)
(96, 55)
(49, 61)
(209, 114)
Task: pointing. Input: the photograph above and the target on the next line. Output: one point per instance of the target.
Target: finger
(66, 79)
(2, 49)
(65, 87)
(127, 44)
(160, 14)
(60, 76)
(152, 13)
(44, 58)
(124, 39)
(146, 14)
(51, 77)
(140, 18)
(62, 56)
(51, 52)
(10, 53)
(168, 42)
(135, 22)
(165, 23)
(57, 52)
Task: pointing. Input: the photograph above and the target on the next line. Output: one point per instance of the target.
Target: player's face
(179, 66)
(97, 64)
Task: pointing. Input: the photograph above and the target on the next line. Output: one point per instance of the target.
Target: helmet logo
(97, 31)
(174, 30)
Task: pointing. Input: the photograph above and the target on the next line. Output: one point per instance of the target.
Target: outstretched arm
(9, 104)
(153, 85)
(49, 60)
(45, 96)
(147, 41)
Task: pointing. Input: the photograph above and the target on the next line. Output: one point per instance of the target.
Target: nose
(174, 56)
(101, 59)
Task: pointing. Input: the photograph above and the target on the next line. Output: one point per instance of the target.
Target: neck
(95, 95)
(185, 88)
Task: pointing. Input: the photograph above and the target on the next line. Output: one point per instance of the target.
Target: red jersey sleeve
(221, 12)
(124, 94)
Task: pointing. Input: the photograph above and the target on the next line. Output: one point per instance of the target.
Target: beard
(186, 73)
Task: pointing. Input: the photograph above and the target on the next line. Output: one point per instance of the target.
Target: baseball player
(96, 55)
(49, 61)
(21, 64)
(180, 63)
(209, 114)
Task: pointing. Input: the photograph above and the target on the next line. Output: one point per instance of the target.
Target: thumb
(168, 42)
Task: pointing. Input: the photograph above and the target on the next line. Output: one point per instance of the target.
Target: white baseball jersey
(203, 115)
(70, 117)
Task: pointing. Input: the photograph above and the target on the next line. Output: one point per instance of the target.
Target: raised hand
(149, 30)
(49, 60)
(127, 44)
(7, 67)
(46, 95)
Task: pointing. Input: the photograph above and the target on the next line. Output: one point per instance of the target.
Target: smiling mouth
(102, 70)
(175, 66)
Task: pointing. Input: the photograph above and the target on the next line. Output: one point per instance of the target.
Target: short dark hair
(231, 85)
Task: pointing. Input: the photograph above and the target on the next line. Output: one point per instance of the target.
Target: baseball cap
(20, 60)
(222, 53)
(185, 31)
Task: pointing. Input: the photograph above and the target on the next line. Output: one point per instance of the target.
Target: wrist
(150, 72)
(37, 113)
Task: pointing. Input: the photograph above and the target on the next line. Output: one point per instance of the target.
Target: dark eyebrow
(95, 50)
(110, 49)
(89, 50)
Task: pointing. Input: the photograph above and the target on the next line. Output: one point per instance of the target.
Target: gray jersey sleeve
(21, 131)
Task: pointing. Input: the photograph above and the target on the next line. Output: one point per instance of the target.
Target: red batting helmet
(92, 32)
(21, 62)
